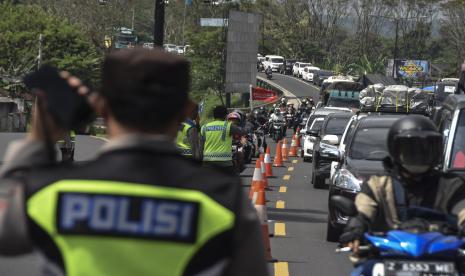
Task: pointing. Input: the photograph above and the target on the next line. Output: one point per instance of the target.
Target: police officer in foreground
(217, 139)
(140, 208)
(412, 180)
(188, 139)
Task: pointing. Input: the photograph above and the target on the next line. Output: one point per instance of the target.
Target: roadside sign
(213, 22)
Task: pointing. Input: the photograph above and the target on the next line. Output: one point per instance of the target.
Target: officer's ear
(100, 105)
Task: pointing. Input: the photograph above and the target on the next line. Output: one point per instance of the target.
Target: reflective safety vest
(116, 228)
(182, 140)
(218, 141)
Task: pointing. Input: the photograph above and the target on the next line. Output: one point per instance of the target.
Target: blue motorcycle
(427, 247)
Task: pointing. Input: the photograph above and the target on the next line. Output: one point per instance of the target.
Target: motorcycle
(248, 148)
(269, 74)
(260, 141)
(426, 244)
(278, 129)
(238, 157)
(289, 120)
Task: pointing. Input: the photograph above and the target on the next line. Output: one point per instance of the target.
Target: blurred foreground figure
(140, 208)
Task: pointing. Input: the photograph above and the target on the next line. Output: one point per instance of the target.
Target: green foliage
(64, 45)
(206, 61)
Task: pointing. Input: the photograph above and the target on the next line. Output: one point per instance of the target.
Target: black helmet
(415, 144)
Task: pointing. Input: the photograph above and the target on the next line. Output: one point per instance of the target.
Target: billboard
(408, 69)
(241, 51)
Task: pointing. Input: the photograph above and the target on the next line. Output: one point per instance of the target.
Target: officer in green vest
(188, 140)
(217, 140)
(139, 208)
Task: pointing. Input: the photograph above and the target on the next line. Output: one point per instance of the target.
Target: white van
(274, 62)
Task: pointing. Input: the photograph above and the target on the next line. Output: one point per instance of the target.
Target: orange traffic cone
(262, 163)
(298, 137)
(293, 151)
(284, 151)
(260, 207)
(257, 180)
(278, 159)
(268, 163)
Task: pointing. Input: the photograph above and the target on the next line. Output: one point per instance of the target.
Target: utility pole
(159, 25)
(39, 56)
(395, 48)
(396, 20)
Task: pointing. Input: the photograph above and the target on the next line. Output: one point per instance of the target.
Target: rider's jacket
(139, 209)
(276, 118)
(383, 200)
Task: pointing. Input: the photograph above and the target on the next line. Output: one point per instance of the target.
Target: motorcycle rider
(217, 140)
(412, 179)
(275, 117)
(268, 71)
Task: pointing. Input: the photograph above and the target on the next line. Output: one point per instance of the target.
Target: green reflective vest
(115, 228)
(182, 140)
(218, 141)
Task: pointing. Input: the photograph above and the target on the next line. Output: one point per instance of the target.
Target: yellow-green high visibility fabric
(218, 141)
(182, 140)
(108, 255)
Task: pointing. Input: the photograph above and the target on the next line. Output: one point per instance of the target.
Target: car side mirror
(329, 152)
(303, 131)
(313, 132)
(344, 205)
(330, 139)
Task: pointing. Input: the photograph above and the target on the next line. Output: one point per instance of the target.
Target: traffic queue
(392, 158)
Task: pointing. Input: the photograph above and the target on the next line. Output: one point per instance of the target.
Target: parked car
(171, 48)
(298, 68)
(313, 127)
(180, 50)
(308, 72)
(327, 138)
(286, 69)
(320, 76)
(450, 119)
(364, 153)
(274, 62)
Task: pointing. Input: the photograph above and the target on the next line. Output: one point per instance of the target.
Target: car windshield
(339, 102)
(369, 144)
(317, 125)
(458, 147)
(311, 119)
(277, 60)
(304, 65)
(336, 126)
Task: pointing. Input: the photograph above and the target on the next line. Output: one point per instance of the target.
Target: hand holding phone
(69, 110)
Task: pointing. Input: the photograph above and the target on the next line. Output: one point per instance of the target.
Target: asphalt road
(299, 212)
(86, 146)
(296, 86)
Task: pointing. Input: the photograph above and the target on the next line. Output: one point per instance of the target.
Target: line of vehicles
(347, 143)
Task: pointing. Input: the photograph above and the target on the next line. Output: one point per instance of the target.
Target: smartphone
(69, 109)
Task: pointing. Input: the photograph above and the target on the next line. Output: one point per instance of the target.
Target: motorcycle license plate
(407, 268)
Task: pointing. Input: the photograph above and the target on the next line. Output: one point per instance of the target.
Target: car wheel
(332, 233)
(307, 159)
